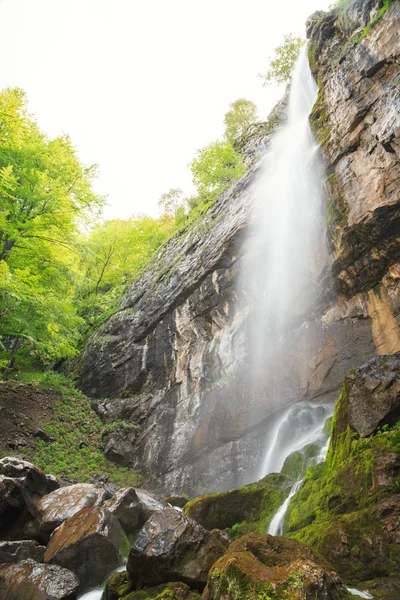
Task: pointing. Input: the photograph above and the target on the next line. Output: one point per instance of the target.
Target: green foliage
(78, 433)
(45, 193)
(214, 168)
(112, 255)
(238, 119)
(172, 201)
(282, 64)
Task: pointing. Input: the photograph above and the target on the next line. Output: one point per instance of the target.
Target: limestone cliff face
(175, 360)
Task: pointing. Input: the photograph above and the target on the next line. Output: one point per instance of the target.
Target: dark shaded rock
(120, 447)
(258, 565)
(255, 504)
(29, 580)
(125, 506)
(172, 547)
(28, 483)
(179, 501)
(62, 504)
(91, 544)
(21, 487)
(11, 552)
(371, 398)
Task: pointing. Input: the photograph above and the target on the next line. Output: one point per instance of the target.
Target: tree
(282, 64)
(238, 119)
(112, 254)
(214, 168)
(45, 192)
(172, 201)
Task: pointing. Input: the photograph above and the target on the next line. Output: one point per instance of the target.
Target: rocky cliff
(175, 359)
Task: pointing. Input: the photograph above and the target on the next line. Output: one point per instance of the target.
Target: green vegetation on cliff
(340, 504)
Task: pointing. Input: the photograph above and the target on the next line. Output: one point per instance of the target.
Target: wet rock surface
(55, 508)
(91, 544)
(29, 580)
(172, 547)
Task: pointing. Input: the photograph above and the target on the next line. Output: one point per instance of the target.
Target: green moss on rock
(348, 506)
(120, 587)
(249, 508)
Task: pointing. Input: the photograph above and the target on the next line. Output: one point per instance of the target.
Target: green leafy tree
(112, 255)
(238, 119)
(45, 192)
(282, 64)
(214, 168)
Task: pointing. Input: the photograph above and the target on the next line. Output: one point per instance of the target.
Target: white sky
(141, 84)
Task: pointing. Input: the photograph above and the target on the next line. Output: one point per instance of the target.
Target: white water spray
(285, 251)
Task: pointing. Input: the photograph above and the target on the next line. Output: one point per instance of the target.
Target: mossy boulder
(263, 566)
(252, 506)
(296, 463)
(120, 587)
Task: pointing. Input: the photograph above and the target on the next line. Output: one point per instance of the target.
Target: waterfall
(285, 251)
(276, 525)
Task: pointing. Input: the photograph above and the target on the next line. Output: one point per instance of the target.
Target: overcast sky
(141, 84)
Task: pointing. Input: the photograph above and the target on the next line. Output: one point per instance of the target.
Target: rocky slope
(174, 359)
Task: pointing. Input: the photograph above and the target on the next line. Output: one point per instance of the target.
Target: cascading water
(317, 437)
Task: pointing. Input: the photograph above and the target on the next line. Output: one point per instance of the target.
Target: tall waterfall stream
(284, 257)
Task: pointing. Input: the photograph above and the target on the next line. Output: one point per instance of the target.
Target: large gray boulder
(172, 547)
(92, 543)
(29, 580)
(62, 504)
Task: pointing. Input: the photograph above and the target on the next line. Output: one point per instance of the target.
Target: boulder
(12, 552)
(251, 505)
(371, 397)
(21, 487)
(222, 537)
(125, 506)
(172, 547)
(55, 508)
(264, 566)
(22, 484)
(149, 504)
(29, 580)
(92, 543)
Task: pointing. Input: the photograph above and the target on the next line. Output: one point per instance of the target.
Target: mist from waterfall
(285, 250)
